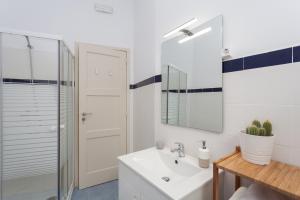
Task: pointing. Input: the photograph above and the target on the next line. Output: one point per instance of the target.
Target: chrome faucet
(179, 149)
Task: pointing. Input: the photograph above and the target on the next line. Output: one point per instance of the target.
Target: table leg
(237, 182)
(216, 182)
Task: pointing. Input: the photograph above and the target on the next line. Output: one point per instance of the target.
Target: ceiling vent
(102, 8)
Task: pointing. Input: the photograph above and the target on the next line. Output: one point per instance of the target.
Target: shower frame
(60, 44)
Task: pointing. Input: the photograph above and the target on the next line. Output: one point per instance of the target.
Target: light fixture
(183, 26)
(204, 31)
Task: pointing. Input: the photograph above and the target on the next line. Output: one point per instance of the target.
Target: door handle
(84, 114)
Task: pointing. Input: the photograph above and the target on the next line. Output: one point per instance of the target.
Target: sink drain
(166, 179)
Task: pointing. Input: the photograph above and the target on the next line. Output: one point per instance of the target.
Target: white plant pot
(257, 149)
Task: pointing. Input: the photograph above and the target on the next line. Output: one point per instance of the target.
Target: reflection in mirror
(192, 78)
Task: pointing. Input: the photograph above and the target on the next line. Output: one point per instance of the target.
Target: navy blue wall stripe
(200, 90)
(35, 81)
(11, 80)
(279, 57)
(233, 65)
(157, 78)
(272, 58)
(296, 54)
(148, 81)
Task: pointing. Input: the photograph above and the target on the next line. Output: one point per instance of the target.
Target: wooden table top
(279, 176)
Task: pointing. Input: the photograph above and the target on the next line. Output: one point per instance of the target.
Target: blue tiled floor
(106, 191)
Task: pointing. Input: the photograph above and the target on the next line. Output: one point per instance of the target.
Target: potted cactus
(257, 143)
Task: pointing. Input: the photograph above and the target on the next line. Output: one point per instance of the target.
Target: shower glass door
(1, 132)
(66, 121)
(29, 124)
(37, 120)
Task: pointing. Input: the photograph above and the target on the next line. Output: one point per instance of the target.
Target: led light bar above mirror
(181, 27)
(202, 32)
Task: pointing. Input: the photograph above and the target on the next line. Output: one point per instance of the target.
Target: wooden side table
(278, 176)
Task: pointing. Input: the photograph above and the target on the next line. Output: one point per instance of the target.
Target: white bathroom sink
(175, 177)
(165, 165)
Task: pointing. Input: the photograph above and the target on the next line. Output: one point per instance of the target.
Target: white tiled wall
(267, 93)
(143, 117)
(271, 92)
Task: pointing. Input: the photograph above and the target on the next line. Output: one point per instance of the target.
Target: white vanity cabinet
(153, 174)
(134, 187)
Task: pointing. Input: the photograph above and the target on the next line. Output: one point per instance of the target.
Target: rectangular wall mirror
(192, 80)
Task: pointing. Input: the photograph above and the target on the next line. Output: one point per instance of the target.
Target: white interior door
(102, 113)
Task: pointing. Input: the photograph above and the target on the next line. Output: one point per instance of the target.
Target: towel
(239, 193)
(259, 192)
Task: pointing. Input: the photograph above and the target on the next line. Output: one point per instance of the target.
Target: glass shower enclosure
(37, 118)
